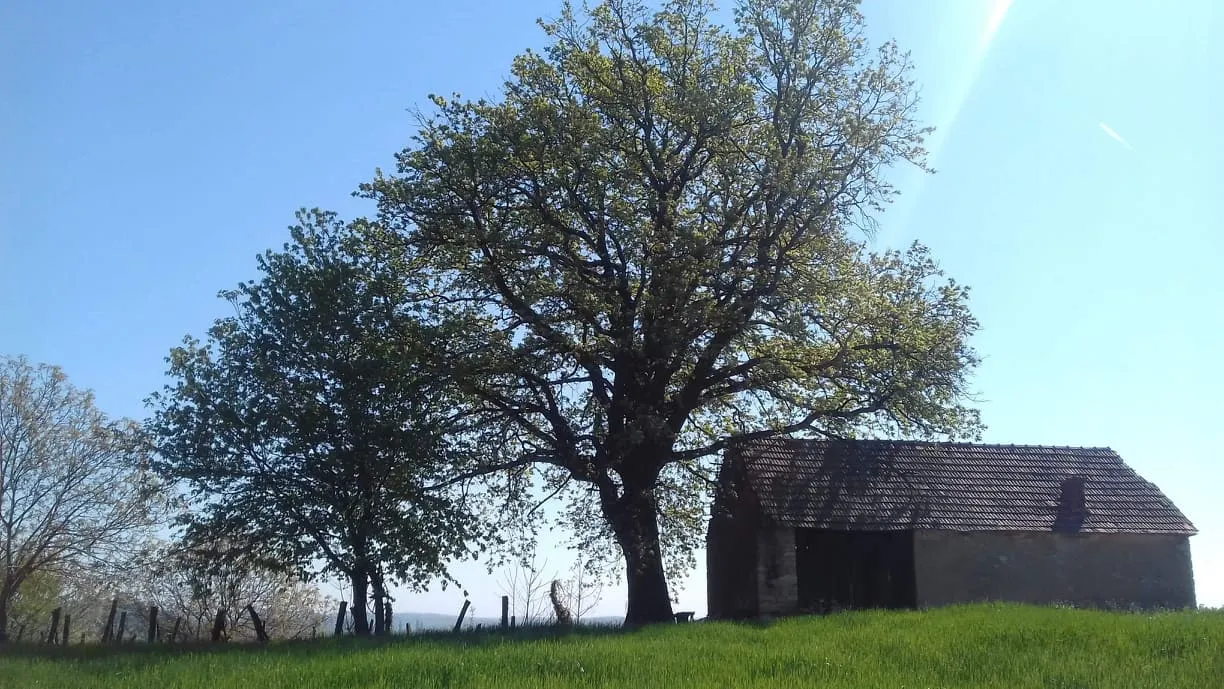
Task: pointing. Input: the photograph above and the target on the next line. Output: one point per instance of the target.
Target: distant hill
(426, 621)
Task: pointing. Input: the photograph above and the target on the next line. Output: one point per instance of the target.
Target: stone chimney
(1071, 508)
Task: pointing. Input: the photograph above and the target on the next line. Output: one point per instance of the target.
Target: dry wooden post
(21, 632)
(462, 612)
(512, 621)
(174, 634)
(122, 625)
(340, 618)
(152, 636)
(505, 621)
(378, 613)
(67, 628)
(387, 617)
(260, 632)
(218, 629)
(407, 629)
(53, 635)
(109, 632)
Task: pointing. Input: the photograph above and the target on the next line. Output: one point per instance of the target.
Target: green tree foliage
(31, 607)
(654, 235)
(74, 485)
(308, 428)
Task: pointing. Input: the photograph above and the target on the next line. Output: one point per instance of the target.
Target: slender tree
(581, 590)
(73, 485)
(308, 428)
(654, 235)
(38, 595)
(526, 583)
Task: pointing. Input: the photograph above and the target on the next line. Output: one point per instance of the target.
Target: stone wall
(750, 571)
(731, 571)
(777, 572)
(1105, 570)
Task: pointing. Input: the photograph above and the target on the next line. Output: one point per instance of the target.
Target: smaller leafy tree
(310, 433)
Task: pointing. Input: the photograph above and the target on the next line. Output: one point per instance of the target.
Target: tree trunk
(361, 587)
(4, 616)
(634, 519)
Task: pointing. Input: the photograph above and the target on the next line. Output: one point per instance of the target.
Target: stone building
(815, 526)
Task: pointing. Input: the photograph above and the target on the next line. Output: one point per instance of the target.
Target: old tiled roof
(889, 485)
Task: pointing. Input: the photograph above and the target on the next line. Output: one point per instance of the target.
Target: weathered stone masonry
(818, 526)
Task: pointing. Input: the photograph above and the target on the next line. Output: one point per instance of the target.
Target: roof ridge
(937, 443)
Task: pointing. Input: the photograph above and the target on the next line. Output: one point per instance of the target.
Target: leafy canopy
(655, 239)
(308, 428)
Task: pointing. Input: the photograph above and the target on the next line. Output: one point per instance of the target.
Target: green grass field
(977, 646)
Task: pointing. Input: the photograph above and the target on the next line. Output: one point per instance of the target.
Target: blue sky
(148, 152)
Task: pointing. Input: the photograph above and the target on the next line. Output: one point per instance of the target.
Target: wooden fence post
(407, 629)
(109, 632)
(462, 612)
(67, 628)
(505, 620)
(512, 621)
(218, 629)
(152, 637)
(340, 618)
(122, 625)
(378, 613)
(21, 632)
(260, 632)
(388, 627)
(174, 634)
(53, 635)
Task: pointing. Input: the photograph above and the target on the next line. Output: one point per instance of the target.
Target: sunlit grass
(975, 646)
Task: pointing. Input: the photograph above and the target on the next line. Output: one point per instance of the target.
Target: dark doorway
(851, 570)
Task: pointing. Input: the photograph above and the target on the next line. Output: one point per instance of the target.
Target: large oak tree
(657, 237)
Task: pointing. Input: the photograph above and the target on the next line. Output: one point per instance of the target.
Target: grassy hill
(1004, 647)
